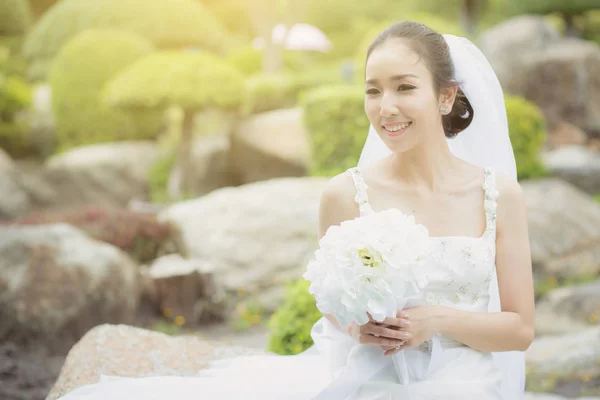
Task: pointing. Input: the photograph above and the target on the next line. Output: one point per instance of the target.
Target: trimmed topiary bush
(192, 81)
(290, 325)
(15, 95)
(15, 17)
(337, 126)
(165, 23)
(527, 130)
(77, 78)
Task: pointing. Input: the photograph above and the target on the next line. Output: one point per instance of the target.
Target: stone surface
(121, 350)
(558, 74)
(568, 309)
(564, 230)
(56, 283)
(566, 134)
(565, 364)
(577, 165)
(270, 145)
(257, 236)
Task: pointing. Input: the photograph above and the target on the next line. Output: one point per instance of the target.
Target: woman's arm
(513, 327)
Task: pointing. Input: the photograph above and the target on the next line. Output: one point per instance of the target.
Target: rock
(270, 145)
(211, 168)
(109, 174)
(565, 364)
(56, 283)
(558, 74)
(562, 80)
(257, 236)
(564, 230)
(15, 200)
(568, 309)
(133, 352)
(566, 134)
(576, 164)
(186, 288)
(508, 44)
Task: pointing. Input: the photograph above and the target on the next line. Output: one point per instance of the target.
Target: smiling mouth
(394, 130)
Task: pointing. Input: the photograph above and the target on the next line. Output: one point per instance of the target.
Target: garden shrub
(167, 24)
(249, 61)
(272, 92)
(337, 126)
(15, 95)
(527, 130)
(291, 324)
(141, 235)
(77, 79)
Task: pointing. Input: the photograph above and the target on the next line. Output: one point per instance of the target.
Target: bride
(438, 149)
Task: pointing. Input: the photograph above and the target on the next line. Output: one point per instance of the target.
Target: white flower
(369, 265)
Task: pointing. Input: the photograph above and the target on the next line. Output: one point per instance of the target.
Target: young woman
(439, 150)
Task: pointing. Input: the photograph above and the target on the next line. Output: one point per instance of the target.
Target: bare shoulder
(509, 190)
(337, 201)
(511, 203)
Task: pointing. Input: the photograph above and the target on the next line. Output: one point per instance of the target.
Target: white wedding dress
(459, 270)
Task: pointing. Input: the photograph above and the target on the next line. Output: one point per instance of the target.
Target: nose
(388, 106)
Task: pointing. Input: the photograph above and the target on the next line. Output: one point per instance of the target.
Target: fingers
(401, 323)
(366, 338)
(382, 331)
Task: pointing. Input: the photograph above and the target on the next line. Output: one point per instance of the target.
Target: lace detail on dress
(491, 194)
(361, 196)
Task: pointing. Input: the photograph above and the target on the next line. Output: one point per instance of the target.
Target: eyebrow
(393, 78)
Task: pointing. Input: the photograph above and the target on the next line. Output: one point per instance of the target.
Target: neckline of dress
(436, 238)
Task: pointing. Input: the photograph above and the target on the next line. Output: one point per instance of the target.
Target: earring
(444, 109)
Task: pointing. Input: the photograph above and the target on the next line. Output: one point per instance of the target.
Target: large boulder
(576, 164)
(565, 364)
(558, 74)
(109, 174)
(564, 230)
(270, 145)
(256, 236)
(568, 309)
(121, 350)
(56, 283)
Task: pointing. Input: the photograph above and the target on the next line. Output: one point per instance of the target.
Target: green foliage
(290, 325)
(190, 80)
(597, 197)
(165, 23)
(337, 126)
(39, 7)
(77, 78)
(247, 314)
(527, 130)
(158, 177)
(15, 95)
(571, 7)
(248, 60)
(15, 17)
(271, 92)
(142, 236)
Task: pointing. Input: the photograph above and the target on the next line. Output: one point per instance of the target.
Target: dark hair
(432, 47)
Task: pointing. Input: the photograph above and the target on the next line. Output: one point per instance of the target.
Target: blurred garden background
(161, 163)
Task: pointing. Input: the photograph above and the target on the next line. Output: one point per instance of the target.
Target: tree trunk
(185, 153)
(570, 27)
(469, 10)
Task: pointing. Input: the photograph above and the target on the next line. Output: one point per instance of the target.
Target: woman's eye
(372, 91)
(406, 87)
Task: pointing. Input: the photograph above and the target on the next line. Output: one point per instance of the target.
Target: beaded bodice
(459, 268)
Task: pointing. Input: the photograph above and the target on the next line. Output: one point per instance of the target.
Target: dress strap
(491, 194)
(361, 187)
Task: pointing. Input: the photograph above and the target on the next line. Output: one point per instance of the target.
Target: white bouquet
(370, 264)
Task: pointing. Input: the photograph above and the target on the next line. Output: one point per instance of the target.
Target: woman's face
(400, 100)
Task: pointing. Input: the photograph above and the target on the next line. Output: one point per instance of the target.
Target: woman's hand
(379, 333)
(419, 323)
